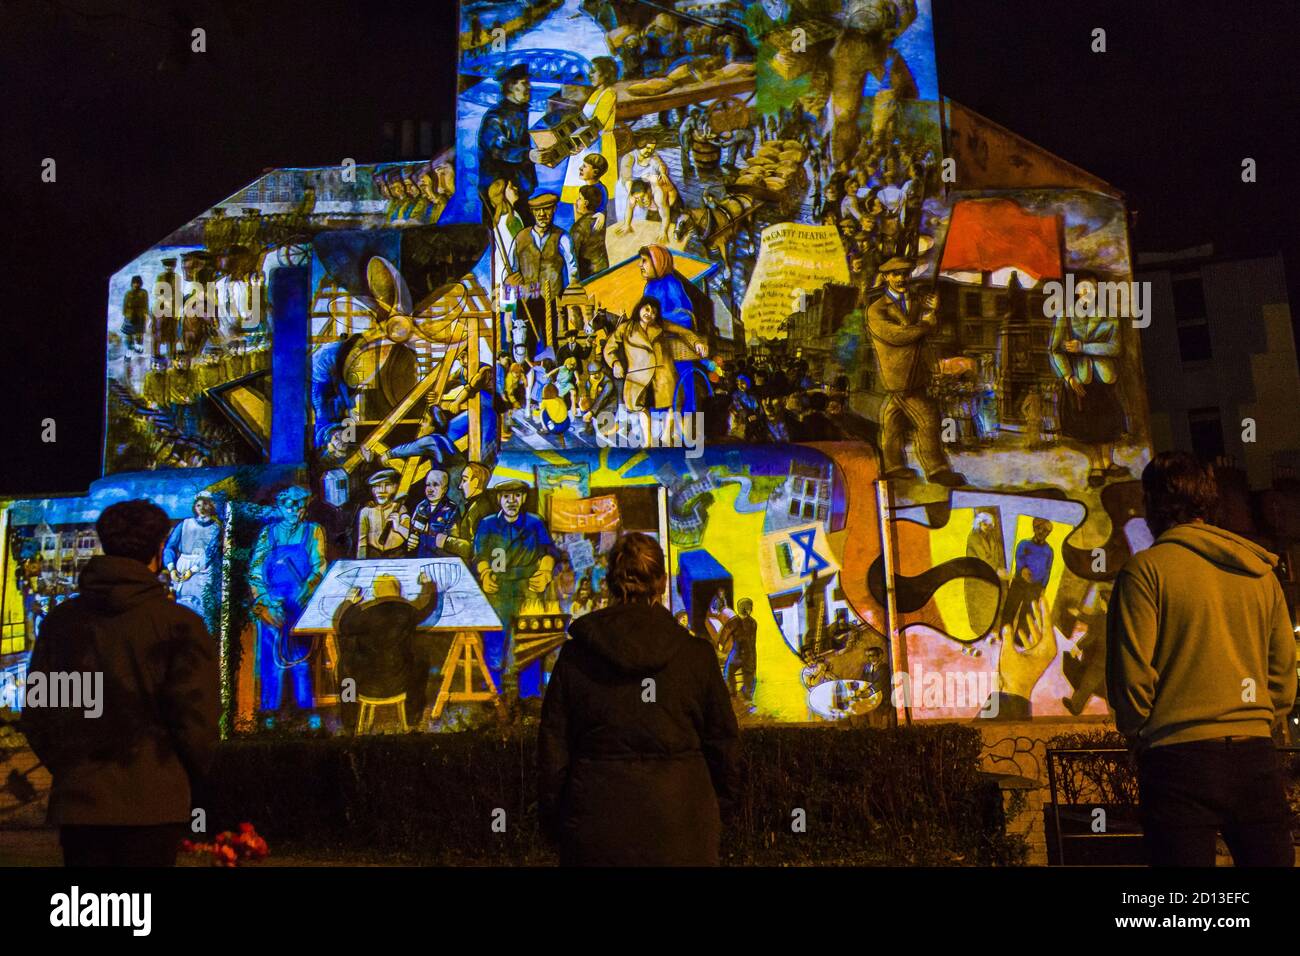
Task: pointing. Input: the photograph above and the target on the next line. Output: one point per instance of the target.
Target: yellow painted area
(13, 627)
(253, 408)
(949, 542)
(620, 289)
(731, 537)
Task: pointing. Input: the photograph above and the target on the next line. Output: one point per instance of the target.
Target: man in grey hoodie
(1201, 665)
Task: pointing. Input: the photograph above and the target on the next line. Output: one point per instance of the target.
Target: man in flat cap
(505, 150)
(384, 526)
(899, 322)
(541, 265)
(514, 556)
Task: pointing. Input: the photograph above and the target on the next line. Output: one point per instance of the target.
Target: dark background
(148, 135)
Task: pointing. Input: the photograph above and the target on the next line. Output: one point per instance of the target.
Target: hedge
(905, 796)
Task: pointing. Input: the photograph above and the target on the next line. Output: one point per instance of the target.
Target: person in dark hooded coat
(125, 763)
(638, 747)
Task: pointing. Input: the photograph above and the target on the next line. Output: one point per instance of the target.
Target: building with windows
(1220, 359)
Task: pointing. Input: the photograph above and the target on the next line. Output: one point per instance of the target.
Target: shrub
(913, 795)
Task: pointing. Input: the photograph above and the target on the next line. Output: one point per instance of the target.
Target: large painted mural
(698, 269)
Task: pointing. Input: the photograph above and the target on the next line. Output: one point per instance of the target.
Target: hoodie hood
(113, 585)
(1222, 548)
(632, 638)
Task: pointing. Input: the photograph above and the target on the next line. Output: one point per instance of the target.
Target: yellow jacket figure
(647, 345)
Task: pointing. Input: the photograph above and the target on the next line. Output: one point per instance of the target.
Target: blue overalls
(287, 568)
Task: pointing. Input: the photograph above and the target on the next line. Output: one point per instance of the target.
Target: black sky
(147, 135)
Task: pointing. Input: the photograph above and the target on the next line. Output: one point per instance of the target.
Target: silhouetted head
(636, 569)
(133, 529)
(1177, 488)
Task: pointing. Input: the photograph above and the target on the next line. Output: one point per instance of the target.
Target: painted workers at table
(899, 321)
(287, 564)
(434, 518)
(191, 557)
(384, 526)
(514, 556)
(380, 647)
(505, 150)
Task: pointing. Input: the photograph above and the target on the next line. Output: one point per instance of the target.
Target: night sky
(147, 135)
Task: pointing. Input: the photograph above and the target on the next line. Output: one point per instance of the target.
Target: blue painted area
(290, 302)
(173, 491)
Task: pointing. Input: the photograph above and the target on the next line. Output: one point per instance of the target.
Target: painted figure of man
(984, 542)
(191, 555)
(505, 150)
(288, 563)
(514, 555)
(135, 314)
(379, 646)
(542, 264)
(1034, 558)
(478, 503)
(866, 45)
(384, 525)
(899, 322)
(742, 632)
(434, 518)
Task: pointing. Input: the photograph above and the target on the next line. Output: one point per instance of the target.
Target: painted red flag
(986, 235)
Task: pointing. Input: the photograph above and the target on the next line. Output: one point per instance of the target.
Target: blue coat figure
(453, 441)
(433, 517)
(663, 282)
(331, 397)
(514, 555)
(288, 563)
(504, 146)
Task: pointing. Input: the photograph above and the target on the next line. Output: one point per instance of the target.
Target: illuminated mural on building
(700, 270)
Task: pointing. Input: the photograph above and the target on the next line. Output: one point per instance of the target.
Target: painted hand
(1019, 668)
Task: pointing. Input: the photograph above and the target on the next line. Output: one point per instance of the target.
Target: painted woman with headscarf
(667, 286)
(664, 283)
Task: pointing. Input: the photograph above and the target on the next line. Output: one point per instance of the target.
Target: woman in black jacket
(638, 747)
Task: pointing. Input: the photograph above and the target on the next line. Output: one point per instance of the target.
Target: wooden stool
(467, 652)
(366, 719)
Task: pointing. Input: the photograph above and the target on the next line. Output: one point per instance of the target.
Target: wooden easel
(467, 650)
